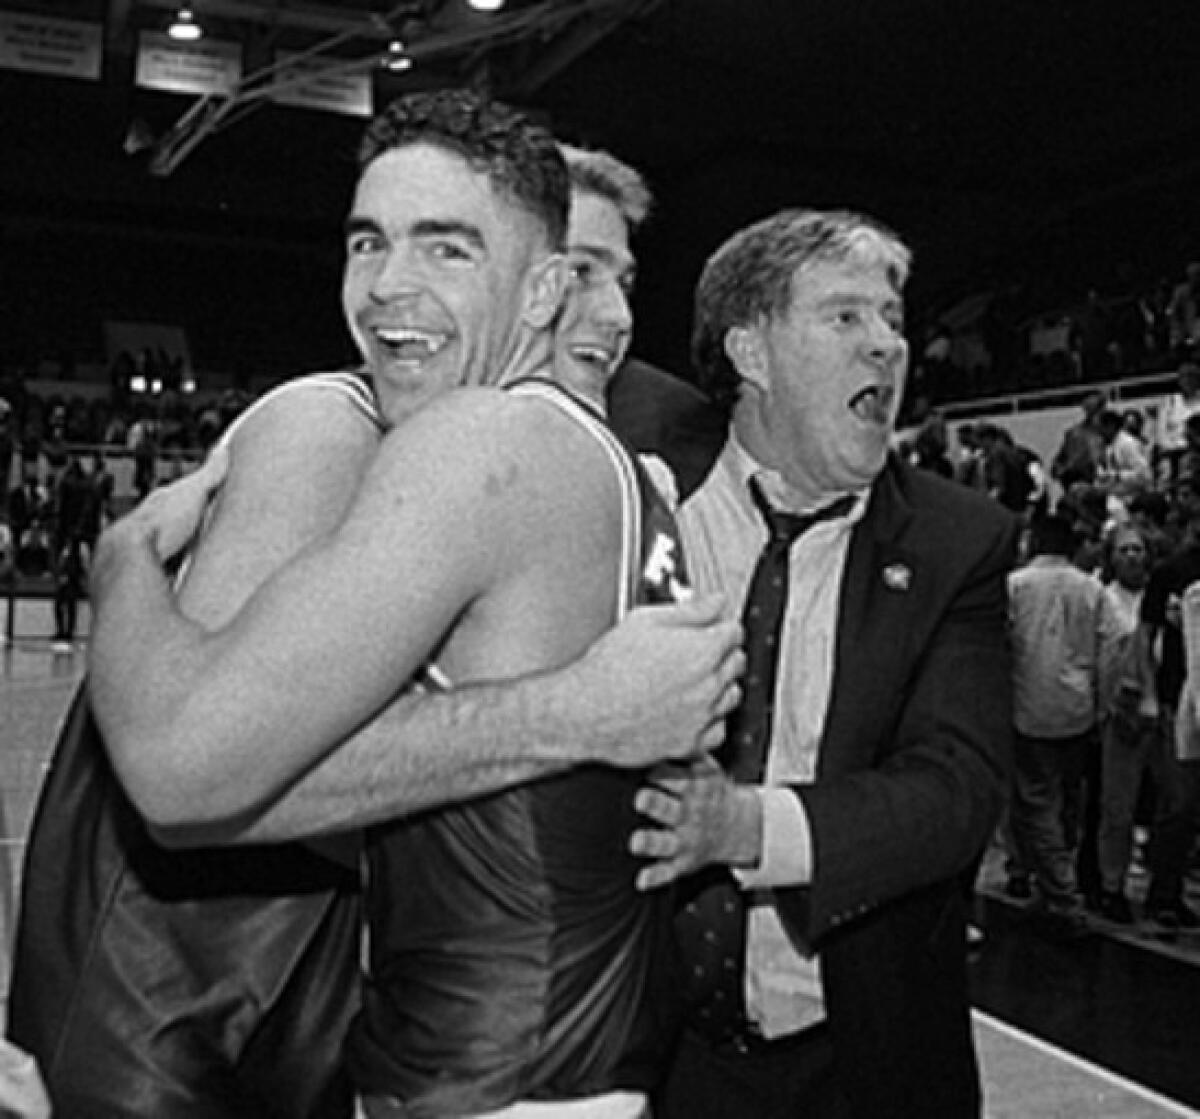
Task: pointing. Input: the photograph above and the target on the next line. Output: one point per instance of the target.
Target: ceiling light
(396, 59)
(184, 27)
(486, 5)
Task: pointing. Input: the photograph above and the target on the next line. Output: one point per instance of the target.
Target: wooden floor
(1105, 1028)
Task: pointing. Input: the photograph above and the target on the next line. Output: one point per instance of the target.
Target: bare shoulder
(487, 455)
(296, 460)
(311, 412)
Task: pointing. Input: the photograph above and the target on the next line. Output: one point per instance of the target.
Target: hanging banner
(42, 45)
(326, 85)
(209, 66)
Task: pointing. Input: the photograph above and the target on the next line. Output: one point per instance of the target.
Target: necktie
(710, 925)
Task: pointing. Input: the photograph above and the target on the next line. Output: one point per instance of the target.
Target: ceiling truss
(539, 38)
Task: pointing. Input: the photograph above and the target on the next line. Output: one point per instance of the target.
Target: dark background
(1039, 146)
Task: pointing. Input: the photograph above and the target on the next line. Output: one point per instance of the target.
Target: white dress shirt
(723, 536)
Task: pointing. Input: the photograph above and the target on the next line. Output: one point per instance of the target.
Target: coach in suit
(848, 844)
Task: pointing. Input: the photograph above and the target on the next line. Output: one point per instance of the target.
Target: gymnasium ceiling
(1003, 137)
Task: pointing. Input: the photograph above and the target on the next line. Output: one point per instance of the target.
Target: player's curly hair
(519, 158)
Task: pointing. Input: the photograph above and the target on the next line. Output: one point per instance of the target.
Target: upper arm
(295, 464)
(327, 641)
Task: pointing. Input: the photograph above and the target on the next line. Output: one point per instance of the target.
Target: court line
(1084, 1065)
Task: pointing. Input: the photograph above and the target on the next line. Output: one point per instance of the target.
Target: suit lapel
(881, 591)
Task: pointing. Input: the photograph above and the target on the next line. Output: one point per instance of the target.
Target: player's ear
(744, 346)
(545, 285)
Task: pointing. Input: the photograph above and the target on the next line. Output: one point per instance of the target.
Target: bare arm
(658, 685)
(246, 710)
(292, 468)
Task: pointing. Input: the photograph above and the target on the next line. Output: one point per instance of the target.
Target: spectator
(70, 580)
(1005, 474)
(1079, 455)
(928, 447)
(8, 443)
(1086, 510)
(1178, 408)
(1149, 511)
(968, 469)
(1130, 742)
(1187, 463)
(8, 553)
(100, 511)
(1134, 422)
(28, 511)
(143, 441)
(1124, 468)
(72, 498)
(1164, 670)
(1038, 501)
(1184, 308)
(1059, 619)
(1091, 338)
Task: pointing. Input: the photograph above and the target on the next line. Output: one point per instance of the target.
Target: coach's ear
(545, 286)
(745, 349)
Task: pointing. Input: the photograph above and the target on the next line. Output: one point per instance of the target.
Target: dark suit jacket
(658, 413)
(913, 771)
(912, 775)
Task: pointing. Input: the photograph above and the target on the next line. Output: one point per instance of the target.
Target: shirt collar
(743, 466)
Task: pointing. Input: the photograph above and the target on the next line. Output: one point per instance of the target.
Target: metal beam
(213, 112)
(321, 18)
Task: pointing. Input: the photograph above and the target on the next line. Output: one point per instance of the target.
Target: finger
(654, 843)
(699, 610)
(658, 806)
(734, 666)
(710, 738)
(734, 635)
(657, 875)
(708, 768)
(728, 700)
(663, 772)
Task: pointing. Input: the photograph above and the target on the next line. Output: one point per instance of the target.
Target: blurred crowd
(57, 485)
(1007, 341)
(1105, 699)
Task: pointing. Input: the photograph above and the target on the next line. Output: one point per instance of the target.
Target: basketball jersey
(511, 955)
(159, 984)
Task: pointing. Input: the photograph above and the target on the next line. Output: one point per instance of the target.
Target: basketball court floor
(1103, 1028)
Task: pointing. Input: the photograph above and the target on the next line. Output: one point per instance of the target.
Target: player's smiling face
(594, 330)
(437, 270)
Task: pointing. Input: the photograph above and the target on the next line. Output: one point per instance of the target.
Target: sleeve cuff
(786, 843)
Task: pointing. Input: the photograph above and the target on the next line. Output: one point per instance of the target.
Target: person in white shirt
(1129, 741)
(1124, 464)
(1061, 623)
(890, 716)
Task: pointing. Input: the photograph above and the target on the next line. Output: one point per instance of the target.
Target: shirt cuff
(786, 843)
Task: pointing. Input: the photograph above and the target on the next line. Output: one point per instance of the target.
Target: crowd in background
(1008, 341)
(1098, 627)
(57, 487)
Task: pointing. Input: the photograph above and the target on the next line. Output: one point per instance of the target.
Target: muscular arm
(659, 685)
(294, 466)
(221, 723)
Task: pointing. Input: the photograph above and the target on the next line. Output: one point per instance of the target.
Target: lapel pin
(897, 576)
